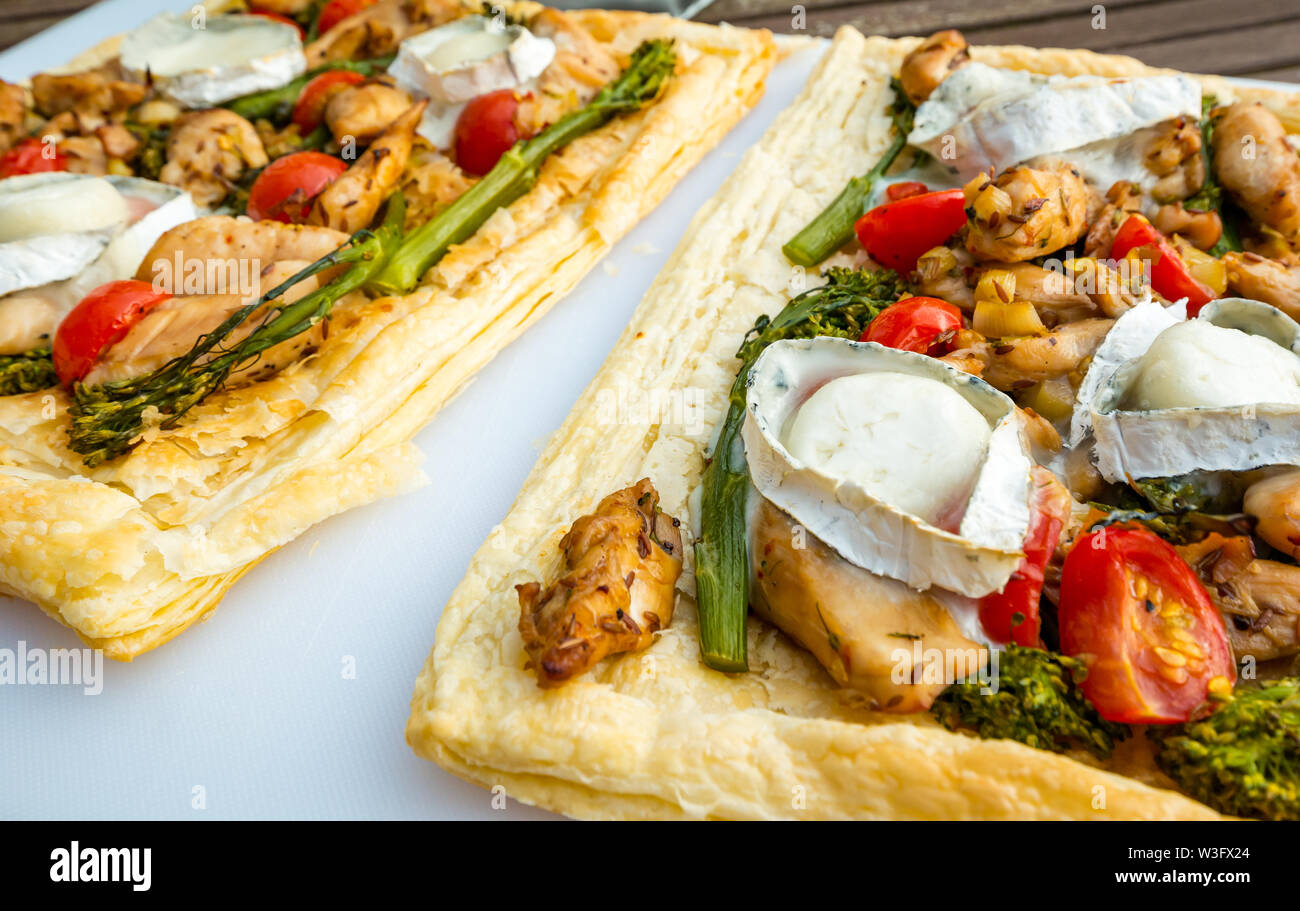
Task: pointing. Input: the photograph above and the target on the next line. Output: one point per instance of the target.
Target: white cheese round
(34, 205)
(909, 441)
(202, 61)
(1198, 364)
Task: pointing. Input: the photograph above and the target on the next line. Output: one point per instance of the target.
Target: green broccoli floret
(1038, 702)
(1244, 759)
(27, 372)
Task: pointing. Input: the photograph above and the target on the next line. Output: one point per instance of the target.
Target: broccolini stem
(107, 419)
(842, 307)
(27, 372)
(652, 63)
(833, 228)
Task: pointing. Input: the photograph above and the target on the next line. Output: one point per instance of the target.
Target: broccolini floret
(1244, 759)
(1038, 702)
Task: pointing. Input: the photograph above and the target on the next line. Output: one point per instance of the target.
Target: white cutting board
(252, 706)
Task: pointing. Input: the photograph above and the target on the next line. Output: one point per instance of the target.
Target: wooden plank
(1281, 74)
(917, 17)
(1127, 26)
(28, 9)
(13, 32)
(1238, 52)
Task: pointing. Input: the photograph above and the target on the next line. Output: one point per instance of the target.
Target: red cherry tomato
(100, 321)
(32, 156)
(897, 191)
(1011, 615)
(897, 233)
(309, 110)
(1170, 277)
(277, 17)
(921, 324)
(1137, 615)
(336, 11)
(485, 130)
(286, 187)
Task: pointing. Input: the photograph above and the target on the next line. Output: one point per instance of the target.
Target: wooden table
(1259, 38)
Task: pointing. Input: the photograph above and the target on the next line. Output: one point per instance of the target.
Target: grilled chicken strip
(1259, 599)
(1259, 278)
(361, 112)
(350, 202)
(621, 565)
(1257, 166)
(860, 626)
(208, 151)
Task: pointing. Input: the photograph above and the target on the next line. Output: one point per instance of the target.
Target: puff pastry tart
(245, 258)
(984, 475)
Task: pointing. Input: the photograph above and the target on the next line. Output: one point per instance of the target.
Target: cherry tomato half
(32, 156)
(309, 109)
(277, 17)
(897, 233)
(286, 187)
(336, 11)
(1137, 615)
(904, 189)
(921, 324)
(1011, 615)
(485, 130)
(1170, 277)
(99, 321)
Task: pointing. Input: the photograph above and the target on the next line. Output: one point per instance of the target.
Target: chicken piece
(1122, 200)
(931, 62)
(582, 65)
(350, 202)
(118, 141)
(1257, 166)
(946, 273)
(1026, 212)
(221, 239)
(1258, 278)
(863, 628)
(1112, 290)
(28, 320)
(360, 113)
(1202, 229)
(85, 155)
(1259, 599)
(1274, 504)
(379, 28)
(1054, 294)
(618, 587)
(1018, 364)
(1174, 155)
(215, 265)
(91, 92)
(208, 151)
(13, 114)
(172, 328)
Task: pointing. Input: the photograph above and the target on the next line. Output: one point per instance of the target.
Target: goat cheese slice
(925, 480)
(200, 62)
(982, 117)
(1218, 392)
(455, 63)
